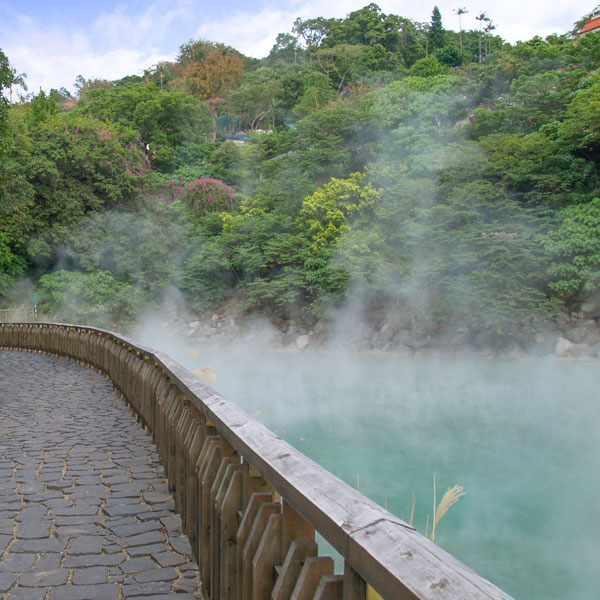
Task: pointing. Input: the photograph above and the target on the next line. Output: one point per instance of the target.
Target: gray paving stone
(143, 539)
(93, 560)
(135, 565)
(105, 591)
(47, 545)
(44, 578)
(146, 550)
(49, 561)
(27, 594)
(133, 590)
(181, 544)
(172, 523)
(31, 514)
(181, 596)
(121, 509)
(158, 574)
(4, 541)
(186, 585)
(169, 559)
(135, 528)
(89, 575)
(7, 580)
(17, 563)
(89, 544)
(76, 530)
(34, 530)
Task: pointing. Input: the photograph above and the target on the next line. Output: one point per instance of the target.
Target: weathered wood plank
(265, 510)
(331, 587)
(230, 505)
(295, 557)
(313, 569)
(244, 531)
(267, 555)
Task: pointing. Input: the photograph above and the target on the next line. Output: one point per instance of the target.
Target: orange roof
(591, 25)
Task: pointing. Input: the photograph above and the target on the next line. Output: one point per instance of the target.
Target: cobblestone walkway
(85, 512)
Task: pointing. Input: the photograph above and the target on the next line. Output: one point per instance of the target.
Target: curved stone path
(85, 512)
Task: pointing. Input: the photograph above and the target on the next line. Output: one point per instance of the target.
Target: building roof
(591, 25)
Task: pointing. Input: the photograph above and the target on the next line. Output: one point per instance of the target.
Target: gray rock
(302, 341)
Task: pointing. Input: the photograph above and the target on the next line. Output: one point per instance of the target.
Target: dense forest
(439, 181)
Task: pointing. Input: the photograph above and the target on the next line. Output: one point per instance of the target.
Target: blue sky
(54, 41)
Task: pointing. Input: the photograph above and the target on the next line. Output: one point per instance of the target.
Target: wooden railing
(250, 502)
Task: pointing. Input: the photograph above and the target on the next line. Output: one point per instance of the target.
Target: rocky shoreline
(565, 336)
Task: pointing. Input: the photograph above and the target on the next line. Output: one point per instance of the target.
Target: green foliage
(427, 67)
(459, 189)
(77, 165)
(436, 31)
(574, 249)
(161, 120)
(96, 298)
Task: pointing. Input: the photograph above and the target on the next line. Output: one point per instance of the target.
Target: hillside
(440, 187)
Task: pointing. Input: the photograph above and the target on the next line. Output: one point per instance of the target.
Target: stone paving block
(146, 550)
(134, 565)
(172, 523)
(157, 574)
(44, 578)
(60, 521)
(133, 590)
(75, 530)
(181, 544)
(7, 580)
(49, 561)
(34, 530)
(105, 591)
(31, 514)
(88, 544)
(79, 510)
(135, 528)
(93, 560)
(186, 585)
(27, 594)
(57, 503)
(4, 541)
(181, 596)
(169, 559)
(17, 563)
(89, 575)
(121, 509)
(47, 545)
(153, 514)
(143, 539)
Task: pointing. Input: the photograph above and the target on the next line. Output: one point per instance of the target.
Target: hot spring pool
(521, 438)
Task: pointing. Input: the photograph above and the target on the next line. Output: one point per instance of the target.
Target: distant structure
(593, 23)
(239, 137)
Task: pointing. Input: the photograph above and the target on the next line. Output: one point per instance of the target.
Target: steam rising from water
(520, 437)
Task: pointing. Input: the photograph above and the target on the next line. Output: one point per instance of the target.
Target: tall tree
(482, 18)
(211, 70)
(436, 30)
(460, 12)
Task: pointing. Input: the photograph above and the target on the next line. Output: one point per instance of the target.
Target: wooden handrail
(249, 501)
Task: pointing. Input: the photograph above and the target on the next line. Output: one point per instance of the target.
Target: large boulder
(302, 341)
(565, 348)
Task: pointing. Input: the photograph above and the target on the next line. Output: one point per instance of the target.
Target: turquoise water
(521, 438)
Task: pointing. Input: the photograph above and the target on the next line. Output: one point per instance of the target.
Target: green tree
(436, 32)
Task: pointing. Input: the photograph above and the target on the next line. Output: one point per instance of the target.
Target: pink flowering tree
(208, 195)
